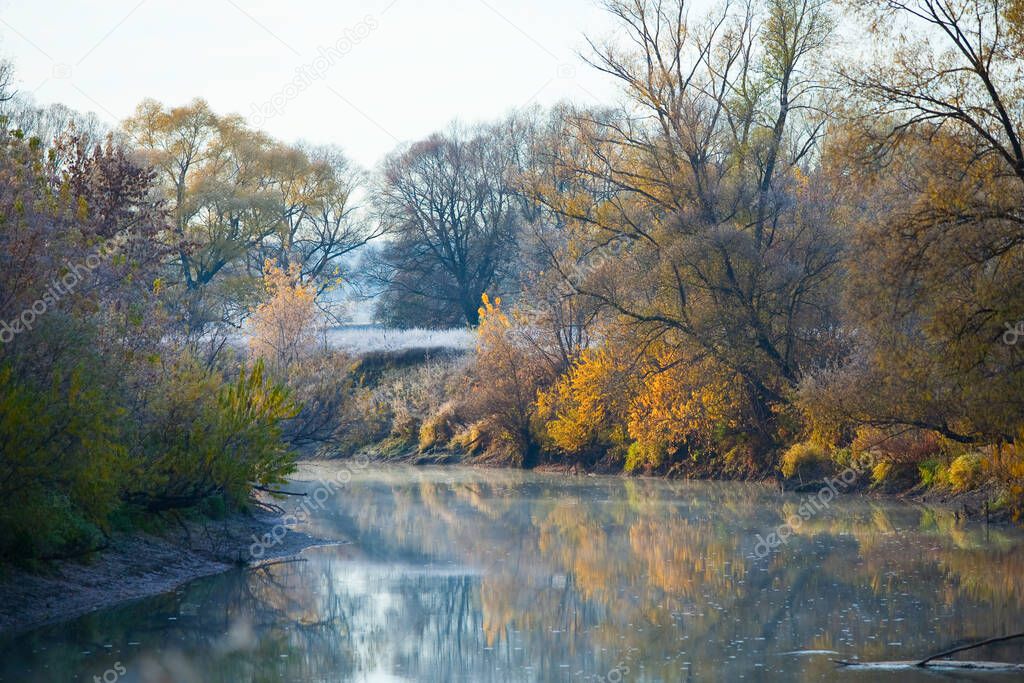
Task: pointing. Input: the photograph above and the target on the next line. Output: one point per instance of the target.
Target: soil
(137, 565)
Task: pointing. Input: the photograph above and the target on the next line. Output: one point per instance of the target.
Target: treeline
(99, 409)
(135, 264)
(800, 239)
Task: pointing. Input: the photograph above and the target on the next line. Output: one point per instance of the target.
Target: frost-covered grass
(368, 339)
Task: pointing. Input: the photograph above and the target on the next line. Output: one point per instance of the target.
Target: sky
(362, 74)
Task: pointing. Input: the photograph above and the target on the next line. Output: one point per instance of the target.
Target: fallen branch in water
(962, 648)
(268, 507)
(935, 661)
(274, 563)
(946, 664)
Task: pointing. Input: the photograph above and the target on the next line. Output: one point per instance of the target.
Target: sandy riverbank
(136, 566)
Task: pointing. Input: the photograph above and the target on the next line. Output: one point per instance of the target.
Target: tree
(77, 257)
(507, 376)
(239, 198)
(283, 328)
(98, 406)
(450, 209)
(562, 324)
(708, 179)
(321, 224)
(933, 171)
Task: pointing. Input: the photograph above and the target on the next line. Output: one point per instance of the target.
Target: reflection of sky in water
(501, 576)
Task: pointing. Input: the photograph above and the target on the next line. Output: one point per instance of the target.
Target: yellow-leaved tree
(284, 328)
(584, 412)
(682, 405)
(507, 376)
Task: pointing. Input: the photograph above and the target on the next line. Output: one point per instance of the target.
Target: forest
(796, 239)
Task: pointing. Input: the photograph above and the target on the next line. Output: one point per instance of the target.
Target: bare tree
(452, 213)
(7, 91)
(321, 222)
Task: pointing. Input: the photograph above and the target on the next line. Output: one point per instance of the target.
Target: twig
(278, 493)
(269, 507)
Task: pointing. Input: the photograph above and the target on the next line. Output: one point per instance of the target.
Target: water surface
(458, 574)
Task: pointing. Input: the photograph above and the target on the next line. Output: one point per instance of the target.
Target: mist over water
(462, 574)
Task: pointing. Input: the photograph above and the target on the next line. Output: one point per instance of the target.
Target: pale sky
(362, 74)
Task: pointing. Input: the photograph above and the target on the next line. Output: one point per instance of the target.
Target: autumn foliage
(777, 258)
(730, 284)
(283, 328)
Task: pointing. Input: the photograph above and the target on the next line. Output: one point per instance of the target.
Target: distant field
(370, 338)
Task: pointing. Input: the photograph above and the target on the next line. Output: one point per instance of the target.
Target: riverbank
(552, 568)
(973, 505)
(138, 565)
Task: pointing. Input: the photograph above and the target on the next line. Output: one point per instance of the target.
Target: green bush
(41, 524)
(843, 457)
(62, 460)
(207, 437)
(642, 455)
(933, 472)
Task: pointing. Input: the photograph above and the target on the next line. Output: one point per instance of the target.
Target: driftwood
(938, 665)
(274, 563)
(935, 661)
(962, 648)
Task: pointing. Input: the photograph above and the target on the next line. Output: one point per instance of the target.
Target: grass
(362, 339)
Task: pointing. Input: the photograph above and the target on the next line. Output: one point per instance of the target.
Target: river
(479, 575)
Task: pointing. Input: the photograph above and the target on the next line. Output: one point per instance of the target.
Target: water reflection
(475, 575)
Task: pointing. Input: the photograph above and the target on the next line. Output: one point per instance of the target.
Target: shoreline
(138, 565)
(968, 505)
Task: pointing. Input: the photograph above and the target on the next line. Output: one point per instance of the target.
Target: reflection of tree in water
(226, 628)
(638, 564)
(267, 624)
(515, 577)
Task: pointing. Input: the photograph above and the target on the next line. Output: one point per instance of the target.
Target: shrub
(965, 472)
(43, 523)
(209, 437)
(284, 327)
(438, 429)
(325, 389)
(897, 445)
(683, 405)
(933, 472)
(364, 420)
(641, 455)
(410, 395)
(1006, 466)
(843, 457)
(585, 405)
(881, 472)
(62, 460)
(471, 440)
(506, 378)
(803, 458)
